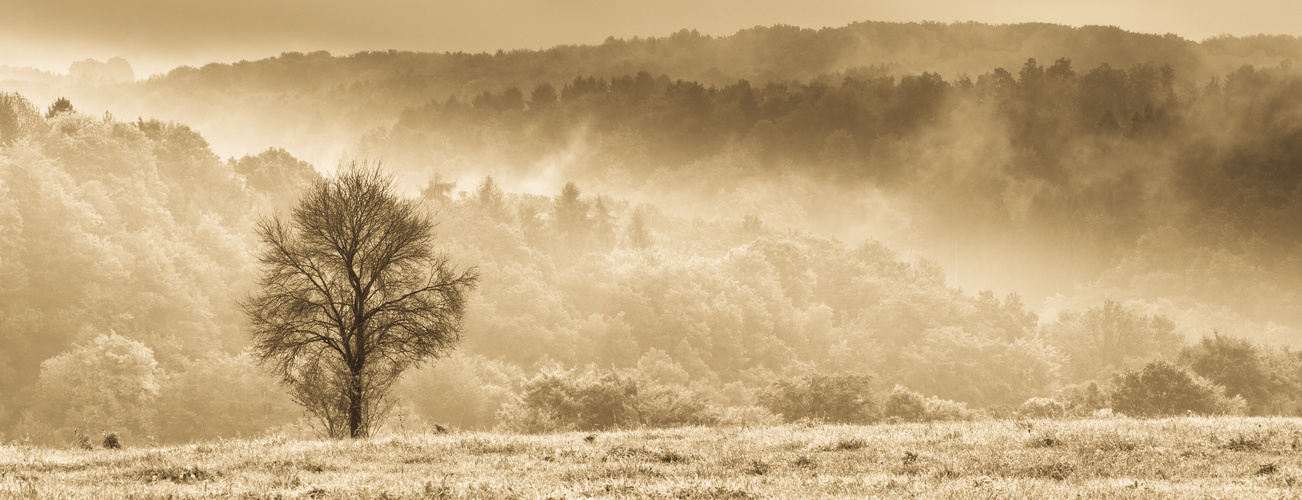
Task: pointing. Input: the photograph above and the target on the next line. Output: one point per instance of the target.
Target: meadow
(1195, 457)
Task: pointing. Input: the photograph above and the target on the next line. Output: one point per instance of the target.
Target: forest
(854, 224)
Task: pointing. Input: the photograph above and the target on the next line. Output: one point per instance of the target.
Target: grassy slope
(1182, 457)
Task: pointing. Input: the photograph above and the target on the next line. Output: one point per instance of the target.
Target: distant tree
(638, 235)
(841, 397)
(463, 390)
(905, 405)
(62, 105)
(220, 395)
(108, 383)
(839, 151)
(18, 117)
(1234, 363)
(1162, 388)
(352, 294)
(511, 99)
(490, 198)
(276, 174)
(1008, 320)
(543, 97)
(438, 190)
(530, 224)
(602, 226)
(1084, 398)
(561, 399)
(1110, 337)
(571, 212)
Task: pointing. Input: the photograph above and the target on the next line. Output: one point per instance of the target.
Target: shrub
(944, 409)
(82, 440)
(1084, 399)
(842, 398)
(1242, 368)
(111, 441)
(661, 405)
(109, 382)
(910, 406)
(220, 395)
(1042, 408)
(1162, 388)
(464, 390)
(591, 399)
(905, 405)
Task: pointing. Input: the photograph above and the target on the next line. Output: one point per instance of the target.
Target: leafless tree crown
(351, 294)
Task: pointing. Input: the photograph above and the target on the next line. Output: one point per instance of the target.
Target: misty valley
(888, 259)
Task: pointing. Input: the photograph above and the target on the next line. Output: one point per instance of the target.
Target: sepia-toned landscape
(878, 259)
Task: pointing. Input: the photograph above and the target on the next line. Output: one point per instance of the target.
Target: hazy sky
(156, 35)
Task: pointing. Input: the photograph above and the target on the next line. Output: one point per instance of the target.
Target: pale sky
(156, 35)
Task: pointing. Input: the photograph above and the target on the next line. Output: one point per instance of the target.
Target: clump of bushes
(590, 399)
(1161, 389)
(905, 405)
(82, 440)
(1084, 399)
(111, 441)
(839, 398)
(1268, 379)
(1042, 408)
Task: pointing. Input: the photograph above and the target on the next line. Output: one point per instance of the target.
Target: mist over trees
(1123, 178)
(778, 225)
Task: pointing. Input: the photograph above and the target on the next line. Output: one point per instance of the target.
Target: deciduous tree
(352, 293)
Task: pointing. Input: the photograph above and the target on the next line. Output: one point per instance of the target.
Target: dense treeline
(310, 102)
(1084, 173)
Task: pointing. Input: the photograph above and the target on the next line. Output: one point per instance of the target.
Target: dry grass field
(1103, 458)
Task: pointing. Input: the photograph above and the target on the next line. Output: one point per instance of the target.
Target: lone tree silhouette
(351, 294)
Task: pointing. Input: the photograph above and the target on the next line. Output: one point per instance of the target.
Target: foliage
(463, 390)
(18, 118)
(220, 395)
(62, 105)
(559, 399)
(278, 175)
(902, 404)
(906, 405)
(111, 382)
(955, 363)
(1162, 389)
(837, 397)
(1110, 337)
(568, 399)
(1084, 399)
(1042, 408)
(1245, 370)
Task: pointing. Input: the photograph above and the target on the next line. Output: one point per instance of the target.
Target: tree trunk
(355, 407)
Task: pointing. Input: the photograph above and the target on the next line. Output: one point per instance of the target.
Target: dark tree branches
(351, 294)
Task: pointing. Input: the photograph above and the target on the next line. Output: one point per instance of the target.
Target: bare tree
(351, 294)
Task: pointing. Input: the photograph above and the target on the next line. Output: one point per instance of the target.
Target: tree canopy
(352, 292)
